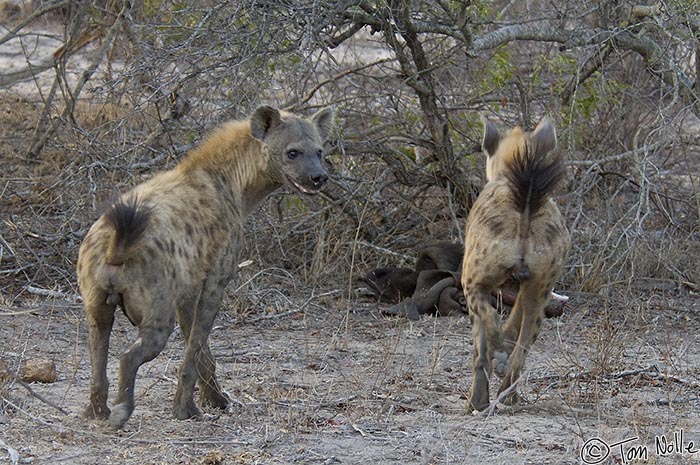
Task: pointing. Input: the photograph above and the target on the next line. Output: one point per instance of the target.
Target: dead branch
(300, 309)
(650, 372)
(501, 397)
(658, 61)
(41, 398)
(38, 13)
(310, 94)
(38, 145)
(590, 66)
(51, 61)
(51, 293)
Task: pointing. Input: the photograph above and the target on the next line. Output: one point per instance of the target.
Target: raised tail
(129, 221)
(532, 177)
(532, 180)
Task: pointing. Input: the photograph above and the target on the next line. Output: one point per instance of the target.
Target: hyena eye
(319, 154)
(292, 154)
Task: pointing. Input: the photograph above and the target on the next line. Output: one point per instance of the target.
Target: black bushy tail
(129, 221)
(532, 179)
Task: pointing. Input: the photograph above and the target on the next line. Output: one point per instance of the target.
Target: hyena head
(501, 148)
(295, 146)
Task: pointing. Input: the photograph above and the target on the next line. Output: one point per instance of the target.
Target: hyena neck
(255, 192)
(236, 164)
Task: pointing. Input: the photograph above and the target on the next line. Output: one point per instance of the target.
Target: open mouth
(304, 189)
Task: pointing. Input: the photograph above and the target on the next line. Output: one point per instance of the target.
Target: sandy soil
(337, 383)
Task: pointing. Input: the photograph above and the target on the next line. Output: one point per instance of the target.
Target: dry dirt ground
(330, 380)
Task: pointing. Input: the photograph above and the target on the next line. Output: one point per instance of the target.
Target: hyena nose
(319, 179)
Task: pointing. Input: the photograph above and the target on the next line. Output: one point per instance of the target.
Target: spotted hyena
(167, 248)
(514, 232)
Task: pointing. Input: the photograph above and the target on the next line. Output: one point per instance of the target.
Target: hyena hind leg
(529, 308)
(198, 363)
(210, 393)
(495, 357)
(100, 319)
(148, 345)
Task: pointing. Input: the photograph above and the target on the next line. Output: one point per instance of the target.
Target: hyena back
(514, 231)
(166, 250)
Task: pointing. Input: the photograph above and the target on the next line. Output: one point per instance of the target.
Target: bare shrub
(106, 95)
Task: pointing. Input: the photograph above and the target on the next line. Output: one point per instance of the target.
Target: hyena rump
(514, 232)
(168, 247)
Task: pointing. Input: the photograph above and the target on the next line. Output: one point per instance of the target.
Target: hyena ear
(544, 137)
(263, 119)
(323, 119)
(491, 139)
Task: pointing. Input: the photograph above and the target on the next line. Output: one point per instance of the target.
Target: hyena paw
(96, 412)
(120, 414)
(186, 410)
(212, 398)
(500, 363)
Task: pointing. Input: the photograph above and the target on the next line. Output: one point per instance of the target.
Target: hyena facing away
(168, 247)
(514, 231)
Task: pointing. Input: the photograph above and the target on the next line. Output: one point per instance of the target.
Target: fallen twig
(29, 415)
(404, 257)
(51, 293)
(16, 311)
(14, 456)
(295, 311)
(4, 245)
(666, 402)
(501, 397)
(40, 397)
(512, 442)
(651, 371)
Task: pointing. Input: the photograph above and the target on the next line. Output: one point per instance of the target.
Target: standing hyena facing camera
(514, 231)
(168, 247)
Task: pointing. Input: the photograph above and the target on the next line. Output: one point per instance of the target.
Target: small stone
(39, 370)
(214, 457)
(5, 373)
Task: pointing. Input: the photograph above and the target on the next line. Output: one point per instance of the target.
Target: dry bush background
(97, 95)
(126, 92)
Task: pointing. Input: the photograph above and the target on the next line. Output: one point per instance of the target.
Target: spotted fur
(167, 248)
(514, 231)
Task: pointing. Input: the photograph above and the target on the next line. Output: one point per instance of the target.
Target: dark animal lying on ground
(434, 285)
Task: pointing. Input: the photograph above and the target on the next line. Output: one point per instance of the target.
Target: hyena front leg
(198, 363)
(210, 392)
